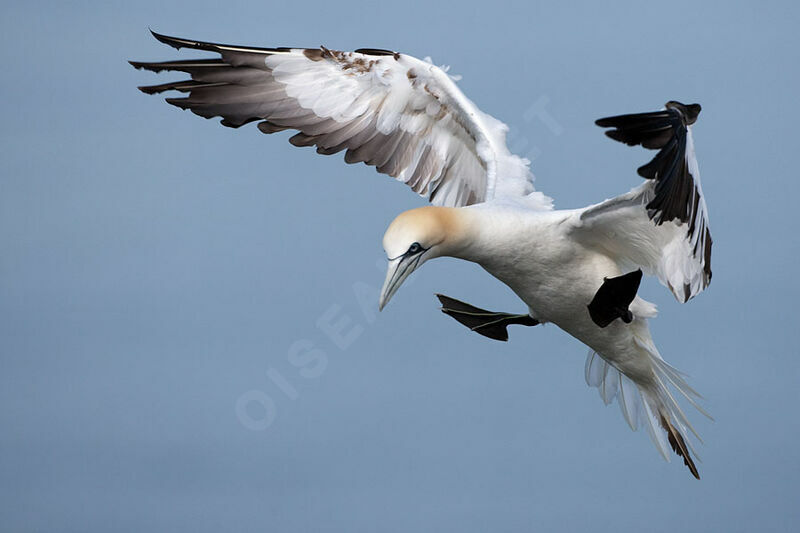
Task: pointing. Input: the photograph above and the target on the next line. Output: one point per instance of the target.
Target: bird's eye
(414, 248)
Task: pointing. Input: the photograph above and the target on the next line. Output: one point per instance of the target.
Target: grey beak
(399, 269)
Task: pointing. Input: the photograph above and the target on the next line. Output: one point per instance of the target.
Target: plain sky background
(156, 269)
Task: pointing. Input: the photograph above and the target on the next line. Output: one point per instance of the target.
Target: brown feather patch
(679, 446)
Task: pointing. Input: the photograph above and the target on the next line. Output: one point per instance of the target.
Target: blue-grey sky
(159, 270)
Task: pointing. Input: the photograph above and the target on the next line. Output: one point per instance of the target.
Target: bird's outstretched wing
(402, 115)
(661, 226)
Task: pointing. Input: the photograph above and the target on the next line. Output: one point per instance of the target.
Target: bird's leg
(487, 323)
(613, 298)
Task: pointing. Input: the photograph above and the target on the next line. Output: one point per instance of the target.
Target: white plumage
(578, 269)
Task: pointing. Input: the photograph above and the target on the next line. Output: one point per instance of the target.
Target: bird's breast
(555, 276)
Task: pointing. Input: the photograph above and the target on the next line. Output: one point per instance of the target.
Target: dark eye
(414, 248)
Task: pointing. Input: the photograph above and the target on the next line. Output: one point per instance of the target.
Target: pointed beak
(399, 269)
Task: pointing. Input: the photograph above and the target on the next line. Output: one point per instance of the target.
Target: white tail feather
(653, 406)
(629, 400)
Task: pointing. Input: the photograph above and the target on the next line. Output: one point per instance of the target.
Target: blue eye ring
(414, 248)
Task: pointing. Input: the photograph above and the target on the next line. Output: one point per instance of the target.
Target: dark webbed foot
(613, 298)
(487, 323)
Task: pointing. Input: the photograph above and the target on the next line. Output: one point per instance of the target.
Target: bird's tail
(653, 406)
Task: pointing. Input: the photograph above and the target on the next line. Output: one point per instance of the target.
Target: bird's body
(536, 256)
(578, 269)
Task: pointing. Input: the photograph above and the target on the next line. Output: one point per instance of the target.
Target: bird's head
(414, 237)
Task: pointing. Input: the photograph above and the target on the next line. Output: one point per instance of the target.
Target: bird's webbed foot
(488, 323)
(613, 298)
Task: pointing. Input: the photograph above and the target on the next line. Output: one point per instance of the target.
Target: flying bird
(579, 269)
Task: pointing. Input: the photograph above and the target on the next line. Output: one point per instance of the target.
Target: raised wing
(402, 115)
(661, 226)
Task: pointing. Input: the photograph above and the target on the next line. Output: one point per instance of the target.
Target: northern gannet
(579, 269)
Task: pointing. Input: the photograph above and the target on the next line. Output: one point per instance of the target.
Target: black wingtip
(159, 36)
(183, 103)
(620, 136)
(155, 34)
(149, 89)
(179, 42)
(175, 42)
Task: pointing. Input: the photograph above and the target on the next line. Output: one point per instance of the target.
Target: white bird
(579, 269)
